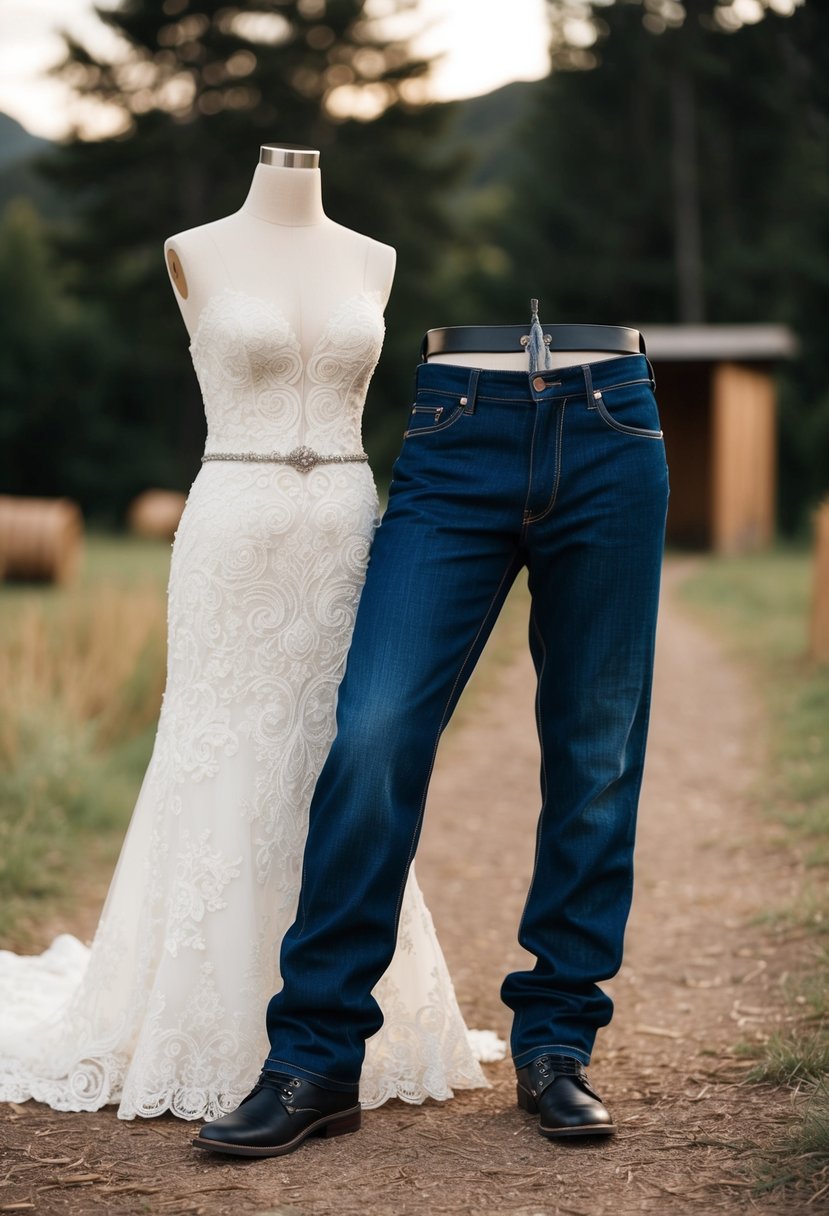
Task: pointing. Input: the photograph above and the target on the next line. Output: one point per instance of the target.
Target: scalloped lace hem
(100, 1083)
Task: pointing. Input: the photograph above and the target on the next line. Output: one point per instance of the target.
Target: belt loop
(588, 383)
(650, 369)
(468, 402)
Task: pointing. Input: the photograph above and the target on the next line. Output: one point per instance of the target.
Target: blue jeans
(564, 472)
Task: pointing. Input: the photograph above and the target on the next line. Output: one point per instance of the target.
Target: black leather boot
(556, 1089)
(277, 1115)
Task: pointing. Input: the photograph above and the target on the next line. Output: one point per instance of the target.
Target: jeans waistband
(579, 380)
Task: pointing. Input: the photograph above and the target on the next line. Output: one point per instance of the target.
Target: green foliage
(54, 361)
(595, 201)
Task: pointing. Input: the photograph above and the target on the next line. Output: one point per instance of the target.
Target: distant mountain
(16, 143)
(484, 128)
(19, 150)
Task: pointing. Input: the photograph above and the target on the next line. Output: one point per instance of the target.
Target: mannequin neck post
(285, 195)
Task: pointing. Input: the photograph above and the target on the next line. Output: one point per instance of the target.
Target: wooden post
(819, 625)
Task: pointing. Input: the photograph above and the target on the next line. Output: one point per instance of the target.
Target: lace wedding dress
(166, 1011)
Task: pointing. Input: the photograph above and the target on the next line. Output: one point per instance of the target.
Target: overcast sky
(485, 43)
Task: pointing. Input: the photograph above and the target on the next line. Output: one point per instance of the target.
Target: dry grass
(81, 676)
(96, 664)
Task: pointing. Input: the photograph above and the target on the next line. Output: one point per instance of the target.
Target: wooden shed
(716, 390)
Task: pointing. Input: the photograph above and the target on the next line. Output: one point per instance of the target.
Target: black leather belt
(501, 339)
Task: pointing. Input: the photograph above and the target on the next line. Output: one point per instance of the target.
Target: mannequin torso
(282, 248)
(509, 361)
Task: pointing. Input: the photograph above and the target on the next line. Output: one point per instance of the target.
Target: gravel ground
(702, 974)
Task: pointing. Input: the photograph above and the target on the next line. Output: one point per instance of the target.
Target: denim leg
(594, 567)
(432, 593)
(570, 478)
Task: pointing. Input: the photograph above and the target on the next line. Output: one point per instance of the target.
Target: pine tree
(648, 130)
(54, 363)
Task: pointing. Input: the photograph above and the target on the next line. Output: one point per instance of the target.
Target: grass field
(81, 676)
(760, 606)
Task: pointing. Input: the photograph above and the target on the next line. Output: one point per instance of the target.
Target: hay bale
(156, 513)
(41, 539)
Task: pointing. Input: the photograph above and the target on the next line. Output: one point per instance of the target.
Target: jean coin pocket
(425, 419)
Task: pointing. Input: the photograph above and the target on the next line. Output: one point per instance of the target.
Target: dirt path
(699, 977)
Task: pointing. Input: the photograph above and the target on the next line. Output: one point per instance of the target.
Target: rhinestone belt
(302, 459)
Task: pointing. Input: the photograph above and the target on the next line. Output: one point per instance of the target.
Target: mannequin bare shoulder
(381, 261)
(356, 262)
(191, 260)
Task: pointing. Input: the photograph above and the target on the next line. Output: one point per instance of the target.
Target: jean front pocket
(630, 409)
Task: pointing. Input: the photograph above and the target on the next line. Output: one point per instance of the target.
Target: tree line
(674, 170)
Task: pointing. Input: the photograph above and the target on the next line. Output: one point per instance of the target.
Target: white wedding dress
(166, 1010)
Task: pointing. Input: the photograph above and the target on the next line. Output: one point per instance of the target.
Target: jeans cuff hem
(316, 1078)
(523, 1058)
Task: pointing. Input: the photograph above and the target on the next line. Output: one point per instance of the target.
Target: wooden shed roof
(719, 343)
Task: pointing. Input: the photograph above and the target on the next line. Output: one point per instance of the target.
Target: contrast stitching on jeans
(513, 561)
(609, 388)
(551, 1049)
(631, 430)
(472, 391)
(534, 519)
(545, 785)
(301, 1068)
(606, 416)
(526, 513)
(441, 392)
(511, 400)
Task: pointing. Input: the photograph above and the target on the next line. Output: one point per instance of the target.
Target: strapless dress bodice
(261, 395)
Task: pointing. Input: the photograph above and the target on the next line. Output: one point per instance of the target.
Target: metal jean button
(539, 383)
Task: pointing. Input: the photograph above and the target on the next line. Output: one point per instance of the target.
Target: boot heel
(526, 1101)
(341, 1127)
